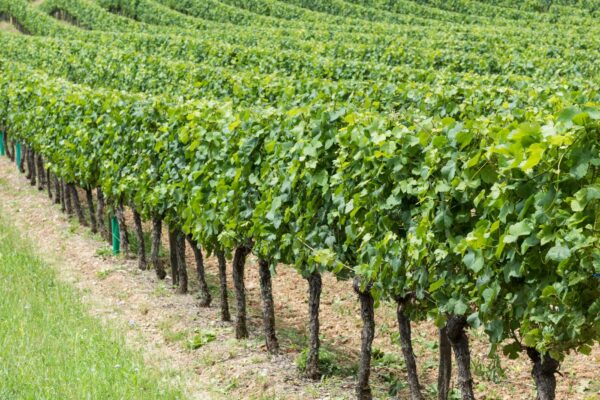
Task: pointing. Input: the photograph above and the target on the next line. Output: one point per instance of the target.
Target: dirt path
(8, 27)
(160, 323)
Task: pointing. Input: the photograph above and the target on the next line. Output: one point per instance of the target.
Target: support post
(116, 239)
(2, 151)
(18, 154)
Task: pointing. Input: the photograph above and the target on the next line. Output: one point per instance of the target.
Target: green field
(50, 348)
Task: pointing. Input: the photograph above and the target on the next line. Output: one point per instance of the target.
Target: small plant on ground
(200, 339)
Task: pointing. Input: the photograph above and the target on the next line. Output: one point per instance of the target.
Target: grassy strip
(50, 348)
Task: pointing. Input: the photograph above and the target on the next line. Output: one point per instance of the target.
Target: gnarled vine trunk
(13, 152)
(13, 147)
(31, 166)
(238, 267)
(173, 256)
(103, 225)
(268, 306)
(90, 202)
(445, 365)
(225, 315)
(57, 190)
(314, 300)
(41, 173)
(77, 204)
(24, 161)
(49, 183)
(407, 349)
(139, 234)
(544, 374)
(455, 328)
(67, 199)
(367, 314)
(205, 297)
(155, 250)
(181, 264)
(7, 148)
(123, 234)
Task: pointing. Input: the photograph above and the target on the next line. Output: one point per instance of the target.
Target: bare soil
(8, 27)
(161, 323)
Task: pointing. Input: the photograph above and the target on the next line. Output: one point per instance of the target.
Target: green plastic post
(116, 239)
(2, 152)
(18, 154)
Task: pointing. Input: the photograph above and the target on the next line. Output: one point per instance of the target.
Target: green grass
(50, 348)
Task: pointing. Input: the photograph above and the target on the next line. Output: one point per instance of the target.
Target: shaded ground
(8, 27)
(162, 324)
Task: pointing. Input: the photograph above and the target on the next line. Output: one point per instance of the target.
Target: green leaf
(535, 153)
(270, 146)
(512, 350)
(567, 114)
(593, 192)
(489, 294)
(495, 329)
(349, 206)
(325, 257)
(321, 178)
(350, 119)
(581, 118)
(460, 308)
(488, 174)
(436, 285)
(585, 349)
(474, 320)
(520, 229)
(577, 206)
(548, 291)
(529, 242)
(473, 261)
(532, 337)
(558, 252)
(234, 125)
(501, 243)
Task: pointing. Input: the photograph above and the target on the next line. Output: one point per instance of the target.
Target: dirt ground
(8, 27)
(162, 324)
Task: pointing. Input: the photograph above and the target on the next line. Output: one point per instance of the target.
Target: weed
(103, 274)
(200, 339)
(491, 371)
(329, 364)
(104, 251)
